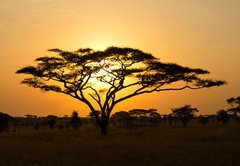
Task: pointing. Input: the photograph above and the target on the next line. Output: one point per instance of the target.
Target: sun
(101, 78)
(101, 73)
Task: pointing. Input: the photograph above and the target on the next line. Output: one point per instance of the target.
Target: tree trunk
(103, 128)
(104, 122)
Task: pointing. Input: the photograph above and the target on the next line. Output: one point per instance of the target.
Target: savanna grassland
(214, 144)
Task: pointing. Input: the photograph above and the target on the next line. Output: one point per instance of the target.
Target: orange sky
(204, 34)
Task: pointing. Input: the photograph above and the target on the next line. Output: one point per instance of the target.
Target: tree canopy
(235, 104)
(184, 113)
(222, 116)
(235, 107)
(109, 77)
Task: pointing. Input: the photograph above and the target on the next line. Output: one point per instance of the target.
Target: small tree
(75, 121)
(235, 107)
(222, 116)
(142, 116)
(185, 113)
(99, 78)
(203, 120)
(138, 113)
(155, 118)
(234, 102)
(122, 118)
(4, 121)
(51, 121)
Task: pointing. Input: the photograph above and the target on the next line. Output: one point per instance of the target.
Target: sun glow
(102, 73)
(100, 46)
(102, 78)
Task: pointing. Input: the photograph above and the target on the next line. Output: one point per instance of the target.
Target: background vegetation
(214, 144)
(136, 137)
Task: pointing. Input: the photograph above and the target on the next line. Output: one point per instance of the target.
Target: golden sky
(194, 33)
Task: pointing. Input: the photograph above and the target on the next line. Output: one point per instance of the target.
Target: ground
(214, 145)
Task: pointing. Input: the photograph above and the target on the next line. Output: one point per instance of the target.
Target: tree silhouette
(234, 102)
(103, 79)
(4, 121)
(143, 116)
(155, 118)
(92, 118)
(75, 121)
(222, 116)
(235, 107)
(185, 113)
(51, 121)
(122, 118)
(170, 119)
(203, 119)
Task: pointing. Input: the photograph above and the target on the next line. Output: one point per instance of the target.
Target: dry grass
(167, 146)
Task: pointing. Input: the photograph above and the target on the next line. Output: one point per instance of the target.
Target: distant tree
(92, 115)
(164, 117)
(185, 113)
(4, 121)
(203, 120)
(51, 117)
(234, 102)
(138, 113)
(142, 112)
(170, 119)
(81, 73)
(212, 117)
(122, 118)
(222, 116)
(235, 107)
(136, 117)
(30, 116)
(51, 121)
(93, 119)
(75, 121)
(142, 116)
(155, 118)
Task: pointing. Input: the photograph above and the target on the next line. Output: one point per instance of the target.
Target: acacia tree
(142, 116)
(235, 107)
(123, 118)
(103, 79)
(222, 116)
(184, 113)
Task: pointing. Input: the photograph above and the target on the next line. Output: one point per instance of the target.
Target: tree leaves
(30, 70)
(76, 72)
(185, 110)
(37, 83)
